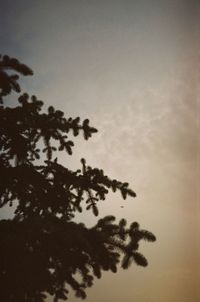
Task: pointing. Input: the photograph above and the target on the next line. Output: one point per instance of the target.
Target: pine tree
(43, 250)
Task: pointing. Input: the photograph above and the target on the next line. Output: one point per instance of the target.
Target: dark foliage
(42, 249)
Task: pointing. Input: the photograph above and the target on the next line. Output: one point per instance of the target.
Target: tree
(43, 250)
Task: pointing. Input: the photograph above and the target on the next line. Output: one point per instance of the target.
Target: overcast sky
(132, 68)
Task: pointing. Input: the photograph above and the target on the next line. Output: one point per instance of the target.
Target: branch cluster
(42, 248)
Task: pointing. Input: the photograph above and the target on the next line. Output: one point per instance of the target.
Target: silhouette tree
(42, 249)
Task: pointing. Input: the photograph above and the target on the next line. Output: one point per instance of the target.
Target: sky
(132, 68)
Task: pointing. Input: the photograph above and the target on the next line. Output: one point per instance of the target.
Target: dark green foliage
(42, 249)
(8, 82)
